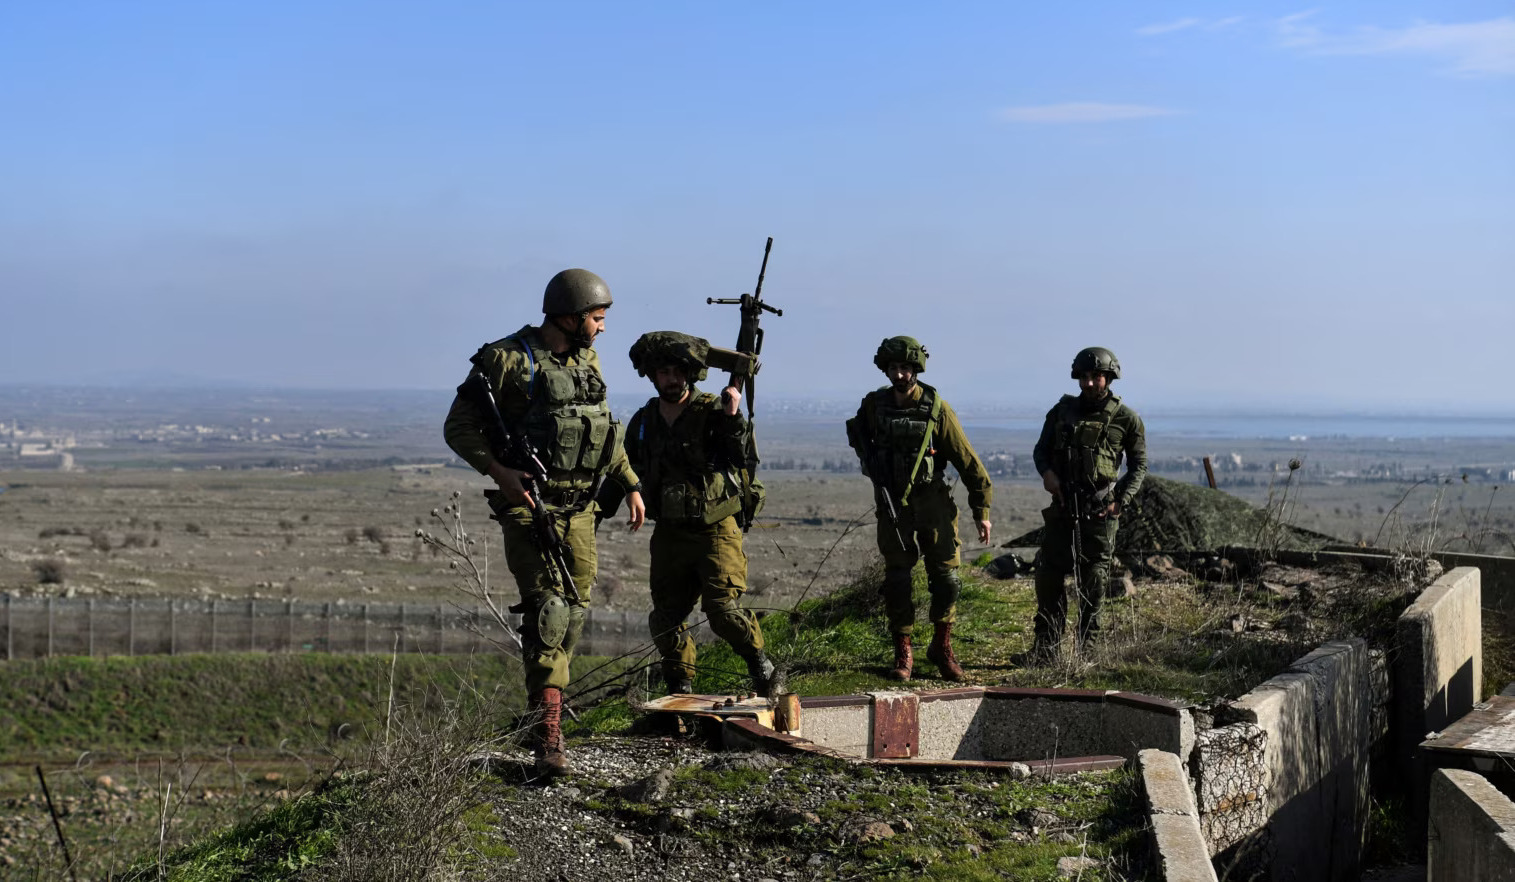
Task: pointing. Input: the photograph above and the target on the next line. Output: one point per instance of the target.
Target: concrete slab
(1472, 830)
(1438, 671)
(1180, 848)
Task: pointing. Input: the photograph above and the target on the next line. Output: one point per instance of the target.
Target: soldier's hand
(637, 511)
(1111, 511)
(731, 400)
(512, 483)
(1052, 484)
(983, 531)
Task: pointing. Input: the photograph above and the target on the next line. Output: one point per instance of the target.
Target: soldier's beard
(903, 386)
(673, 394)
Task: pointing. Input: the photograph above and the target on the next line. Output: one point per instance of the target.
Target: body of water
(1297, 426)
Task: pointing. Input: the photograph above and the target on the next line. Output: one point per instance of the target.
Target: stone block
(1178, 844)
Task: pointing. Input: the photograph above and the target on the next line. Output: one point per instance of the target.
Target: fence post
(131, 626)
(89, 619)
(365, 629)
(49, 626)
(252, 625)
(439, 629)
(173, 628)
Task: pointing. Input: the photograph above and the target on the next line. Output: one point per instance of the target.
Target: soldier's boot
(940, 653)
(767, 678)
(904, 658)
(678, 683)
(549, 749)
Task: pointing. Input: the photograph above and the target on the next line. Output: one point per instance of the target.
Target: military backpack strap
(936, 414)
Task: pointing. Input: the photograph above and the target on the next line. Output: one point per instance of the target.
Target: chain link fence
(41, 627)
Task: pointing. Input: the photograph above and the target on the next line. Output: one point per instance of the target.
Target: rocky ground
(667, 809)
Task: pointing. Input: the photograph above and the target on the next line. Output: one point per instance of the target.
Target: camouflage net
(1171, 516)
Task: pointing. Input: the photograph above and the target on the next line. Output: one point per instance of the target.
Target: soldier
(689, 447)
(1083, 441)
(905, 434)
(546, 382)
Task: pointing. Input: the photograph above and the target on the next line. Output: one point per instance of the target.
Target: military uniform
(693, 480)
(912, 445)
(558, 401)
(1083, 443)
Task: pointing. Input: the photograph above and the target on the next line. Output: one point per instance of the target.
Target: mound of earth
(1171, 516)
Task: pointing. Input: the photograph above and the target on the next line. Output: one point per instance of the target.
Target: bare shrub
(373, 534)
(134, 540)
(289, 539)
(51, 571)
(99, 540)
(193, 527)
(286, 524)
(420, 777)
(351, 535)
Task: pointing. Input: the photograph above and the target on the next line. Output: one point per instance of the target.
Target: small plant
(134, 540)
(193, 527)
(99, 540)
(286, 524)
(51, 571)
(351, 536)
(373, 534)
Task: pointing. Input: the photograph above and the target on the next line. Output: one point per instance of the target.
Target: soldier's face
(594, 323)
(1095, 384)
(901, 376)
(671, 382)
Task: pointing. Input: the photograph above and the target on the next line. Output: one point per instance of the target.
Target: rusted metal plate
(896, 726)
(1487, 730)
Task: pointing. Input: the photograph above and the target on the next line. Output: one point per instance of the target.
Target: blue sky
(1256, 206)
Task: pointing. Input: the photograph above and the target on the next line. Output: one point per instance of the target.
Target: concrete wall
(1297, 758)
(1472, 830)
(1438, 671)
(1177, 843)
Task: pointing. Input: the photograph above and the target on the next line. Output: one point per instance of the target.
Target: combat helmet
(905, 350)
(574, 291)
(1096, 358)
(656, 349)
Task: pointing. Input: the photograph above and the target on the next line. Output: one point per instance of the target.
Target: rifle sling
(936, 412)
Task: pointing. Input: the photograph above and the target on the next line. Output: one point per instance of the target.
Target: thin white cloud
(1184, 24)
(1168, 27)
(1482, 48)
(1081, 112)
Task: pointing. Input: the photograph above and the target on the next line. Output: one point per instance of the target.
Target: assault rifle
(1083, 503)
(882, 474)
(513, 450)
(742, 364)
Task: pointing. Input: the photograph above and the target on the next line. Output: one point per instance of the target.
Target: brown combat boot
(904, 658)
(940, 653)
(551, 754)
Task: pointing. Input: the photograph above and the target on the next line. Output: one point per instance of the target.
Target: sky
(1257, 206)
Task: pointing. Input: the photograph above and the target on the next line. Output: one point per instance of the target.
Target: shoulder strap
(531, 364)
(936, 414)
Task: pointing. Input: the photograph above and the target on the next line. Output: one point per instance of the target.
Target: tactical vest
(567, 419)
(1085, 451)
(683, 483)
(905, 433)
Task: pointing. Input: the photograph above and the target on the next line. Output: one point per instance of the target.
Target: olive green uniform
(1083, 443)
(693, 491)
(558, 400)
(917, 442)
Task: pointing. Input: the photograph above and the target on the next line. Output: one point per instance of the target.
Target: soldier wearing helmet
(547, 385)
(906, 434)
(688, 446)
(1083, 442)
